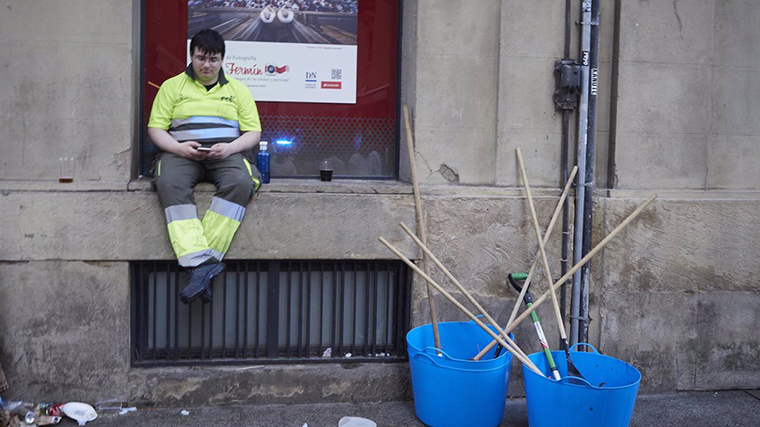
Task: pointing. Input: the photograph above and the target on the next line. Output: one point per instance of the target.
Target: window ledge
(353, 186)
(55, 186)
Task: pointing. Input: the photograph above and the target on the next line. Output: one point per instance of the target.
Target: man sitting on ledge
(204, 124)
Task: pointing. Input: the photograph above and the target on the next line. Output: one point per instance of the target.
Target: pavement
(734, 408)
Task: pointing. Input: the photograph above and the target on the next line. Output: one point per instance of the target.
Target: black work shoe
(199, 281)
(207, 296)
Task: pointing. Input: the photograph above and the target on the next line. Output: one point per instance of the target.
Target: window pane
(360, 140)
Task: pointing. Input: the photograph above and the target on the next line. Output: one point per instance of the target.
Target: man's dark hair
(208, 41)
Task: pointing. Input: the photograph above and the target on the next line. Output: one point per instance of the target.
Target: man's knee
(238, 188)
(172, 191)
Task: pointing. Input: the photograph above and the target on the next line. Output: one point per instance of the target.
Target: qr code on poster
(337, 74)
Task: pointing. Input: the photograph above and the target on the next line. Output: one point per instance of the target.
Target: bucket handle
(432, 351)
(432, 358)
(472, 321)
(572, 347)
(577, 381)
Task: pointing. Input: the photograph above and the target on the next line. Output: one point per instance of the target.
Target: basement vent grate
(272, 312)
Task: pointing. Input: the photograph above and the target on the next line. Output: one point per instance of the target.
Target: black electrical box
(568, 78)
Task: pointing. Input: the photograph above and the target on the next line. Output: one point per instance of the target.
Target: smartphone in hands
(205, 149)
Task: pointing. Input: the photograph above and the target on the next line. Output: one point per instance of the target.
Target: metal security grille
(272, 312)
(356, 147)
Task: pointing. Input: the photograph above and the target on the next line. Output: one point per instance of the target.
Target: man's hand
(189, 150)
(220, 151)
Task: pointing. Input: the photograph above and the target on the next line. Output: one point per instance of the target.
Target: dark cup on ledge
(325, 171)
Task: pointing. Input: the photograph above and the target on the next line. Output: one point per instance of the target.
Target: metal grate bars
(292, 311)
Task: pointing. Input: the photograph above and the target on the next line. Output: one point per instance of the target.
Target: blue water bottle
(262, 162)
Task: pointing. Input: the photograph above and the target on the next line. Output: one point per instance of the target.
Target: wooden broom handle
(420, 223)
(572, 271)
(458, 305)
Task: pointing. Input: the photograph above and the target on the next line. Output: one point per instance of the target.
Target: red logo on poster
(331, 85)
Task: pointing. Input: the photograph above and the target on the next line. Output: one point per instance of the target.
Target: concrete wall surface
(675, 294)
(686, 104)
(71, 89)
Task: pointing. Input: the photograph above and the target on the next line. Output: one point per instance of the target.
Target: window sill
(55, 186)
(353, 186)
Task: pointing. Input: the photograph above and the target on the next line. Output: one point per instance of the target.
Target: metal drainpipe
(564, 174)
(580, 194)
(588, 214)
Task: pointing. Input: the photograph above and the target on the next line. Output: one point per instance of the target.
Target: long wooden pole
(548, 234)
(464, 291)
(541, 250)
(572, 271)
(420, 224)
(464, 310)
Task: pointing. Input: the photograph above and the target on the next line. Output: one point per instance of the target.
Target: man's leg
(175, 179)
(236, 181)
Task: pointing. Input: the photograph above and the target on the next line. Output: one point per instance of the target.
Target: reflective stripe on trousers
(195, 241)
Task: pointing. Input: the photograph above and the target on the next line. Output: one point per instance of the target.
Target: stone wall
(675, 294)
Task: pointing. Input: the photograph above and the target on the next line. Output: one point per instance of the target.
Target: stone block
(607, 32)
(102, 226)
(456, 93)
(655, 332)
(454, 156)
(42, 141)
(455, 127)
(736, 33)
(541, 150)
(75, 21)
(664, 98)
(82, 82)
(131, 226)
(458, 28)
(601, 166)
(734, 101)
(270, 384)
(532, 29)
(728, 165)
(682, 246)
(71, 100)
(678, 32)
(482, 240)
(66, 330)
(603, 98)
(526, 87)
(725, 353)
(646, 160)
(324, 226)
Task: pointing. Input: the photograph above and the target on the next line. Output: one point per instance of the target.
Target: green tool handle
(539, 329)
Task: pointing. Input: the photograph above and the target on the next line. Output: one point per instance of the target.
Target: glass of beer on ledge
(66, 169)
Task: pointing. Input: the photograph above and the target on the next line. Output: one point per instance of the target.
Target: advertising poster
(286, 50)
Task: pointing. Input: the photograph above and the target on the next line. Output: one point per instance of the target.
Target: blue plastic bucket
(450, 390)
(606, 398)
